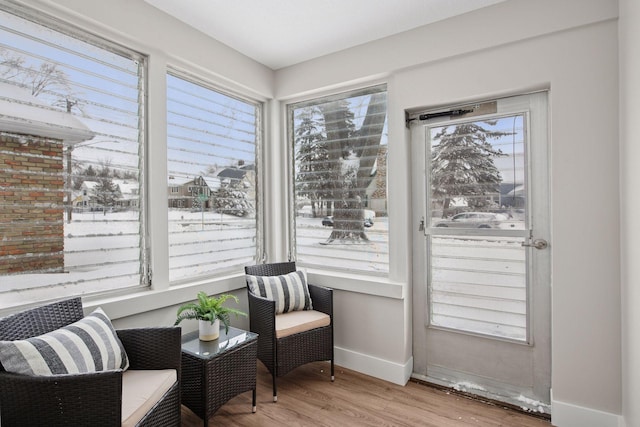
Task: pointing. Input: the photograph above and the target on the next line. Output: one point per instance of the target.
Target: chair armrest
(262, 315)
(93, 399)
(321, 299)
(152, 348)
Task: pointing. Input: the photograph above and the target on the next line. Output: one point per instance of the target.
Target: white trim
(568, 415)
(360, 283)
(150, 300)
(379, 368)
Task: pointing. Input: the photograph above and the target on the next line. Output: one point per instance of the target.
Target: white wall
(630, 197)
(570, 47)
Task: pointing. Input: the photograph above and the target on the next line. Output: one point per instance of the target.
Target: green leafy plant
(209, 308)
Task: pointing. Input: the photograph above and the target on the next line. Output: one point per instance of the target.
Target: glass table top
(210, 349)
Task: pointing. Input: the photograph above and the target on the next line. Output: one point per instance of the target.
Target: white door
(481, 263)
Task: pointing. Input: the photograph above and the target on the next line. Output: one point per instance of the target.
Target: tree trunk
(349, 194)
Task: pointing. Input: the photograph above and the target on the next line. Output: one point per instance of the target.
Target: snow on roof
(90, 184)
(212, 182)
(22, 113)
(178, 181)
(127, 186)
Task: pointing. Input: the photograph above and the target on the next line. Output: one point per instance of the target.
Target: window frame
(290, 150)
(259, 105)
(64, 27)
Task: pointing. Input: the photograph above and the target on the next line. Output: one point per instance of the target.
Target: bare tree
(46, 78)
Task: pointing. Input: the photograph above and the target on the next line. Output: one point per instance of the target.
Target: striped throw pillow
(88, 345)
(289, 291)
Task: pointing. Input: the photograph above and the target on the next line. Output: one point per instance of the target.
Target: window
(478, 265)
(213, 142)
(339, 189)
(71, 156)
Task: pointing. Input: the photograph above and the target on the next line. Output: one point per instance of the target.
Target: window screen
(212, 183)
(70, 161)
(340, 181)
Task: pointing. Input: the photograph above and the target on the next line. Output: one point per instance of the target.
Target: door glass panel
(477, 191)
(477, 174)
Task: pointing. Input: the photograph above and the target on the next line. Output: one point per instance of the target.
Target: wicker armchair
(281, 355)
(89, 399)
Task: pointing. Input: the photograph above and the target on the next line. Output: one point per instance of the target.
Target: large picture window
(213, 141)
(71, 156)
(339, 196)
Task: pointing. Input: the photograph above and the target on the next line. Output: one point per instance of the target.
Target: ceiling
(279, 33)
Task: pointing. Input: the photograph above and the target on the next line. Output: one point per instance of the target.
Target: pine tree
(462, 163)
(106, 193)
(232, 201)
(312, 155)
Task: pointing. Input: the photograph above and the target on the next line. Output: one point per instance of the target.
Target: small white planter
(209, 331)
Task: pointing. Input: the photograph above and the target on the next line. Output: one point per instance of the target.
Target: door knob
(536, 243)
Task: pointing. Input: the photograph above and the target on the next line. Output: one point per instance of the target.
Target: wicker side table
(215, 371)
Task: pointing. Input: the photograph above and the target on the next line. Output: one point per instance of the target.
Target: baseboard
(569, 415)
(396, 373)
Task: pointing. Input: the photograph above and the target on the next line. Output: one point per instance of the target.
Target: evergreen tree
(462, 163)
(312, 155)
(106, 193)
(232, 201)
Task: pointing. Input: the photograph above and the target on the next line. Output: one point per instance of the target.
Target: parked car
(327, 221)
(473, 220)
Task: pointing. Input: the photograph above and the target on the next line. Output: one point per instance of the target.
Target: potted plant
(209, 312)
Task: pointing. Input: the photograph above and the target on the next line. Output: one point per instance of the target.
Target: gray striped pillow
(88, 345)
(289, 291)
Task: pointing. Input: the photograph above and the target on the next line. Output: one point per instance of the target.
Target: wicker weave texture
(40, 320)
(207, 384)
(299, 349)
(280, 356)
(93, 399)
(274, 269)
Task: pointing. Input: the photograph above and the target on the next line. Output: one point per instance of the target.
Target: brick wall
(31, 204)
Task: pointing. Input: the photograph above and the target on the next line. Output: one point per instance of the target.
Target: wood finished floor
(307, 397)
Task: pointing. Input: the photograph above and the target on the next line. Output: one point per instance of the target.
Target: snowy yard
(371, 256)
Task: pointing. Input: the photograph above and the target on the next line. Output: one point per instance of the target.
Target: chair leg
(332, 371)
(254, 401)
(275, 393)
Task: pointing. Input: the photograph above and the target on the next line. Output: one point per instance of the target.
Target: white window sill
(378, 286)
(136, 303)
(140, 302)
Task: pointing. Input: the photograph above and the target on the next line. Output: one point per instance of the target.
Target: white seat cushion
(141, 390)
(300, 321)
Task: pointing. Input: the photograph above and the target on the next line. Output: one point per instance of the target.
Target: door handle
(536, 243)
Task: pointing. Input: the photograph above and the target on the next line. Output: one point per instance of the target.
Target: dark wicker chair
(92, 399)
(280, 356)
